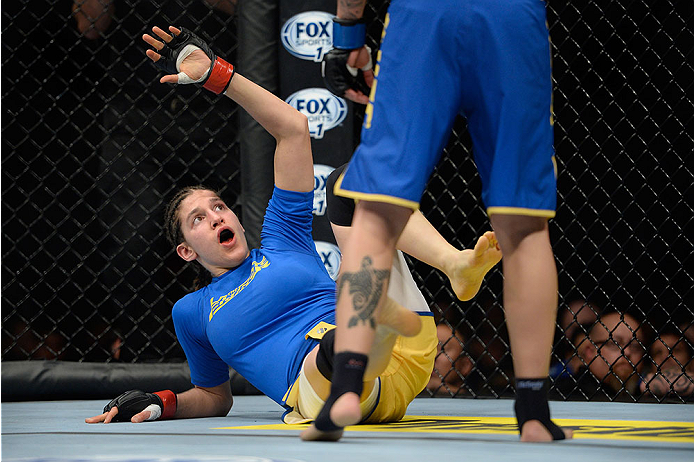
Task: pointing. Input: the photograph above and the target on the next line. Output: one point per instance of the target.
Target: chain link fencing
(93, 146)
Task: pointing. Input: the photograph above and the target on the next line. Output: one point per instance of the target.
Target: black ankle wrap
(531, 404)
(348, 376)
(326, 354)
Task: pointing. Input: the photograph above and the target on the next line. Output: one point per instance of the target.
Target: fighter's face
(212, 232)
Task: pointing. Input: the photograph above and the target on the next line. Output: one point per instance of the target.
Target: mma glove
(216, 79)
(338, 76)
(162, 405)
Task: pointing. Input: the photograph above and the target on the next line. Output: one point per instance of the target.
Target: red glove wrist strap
(220, 76)
(168, 397)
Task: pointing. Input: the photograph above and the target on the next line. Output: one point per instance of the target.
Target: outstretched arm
(196, 402)
(293, 157)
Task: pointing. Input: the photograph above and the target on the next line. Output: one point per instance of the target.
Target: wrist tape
(216, 79)
(169, 403)
(348, 34)
(221, 73)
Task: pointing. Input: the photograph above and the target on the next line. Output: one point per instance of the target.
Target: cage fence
(93, 146)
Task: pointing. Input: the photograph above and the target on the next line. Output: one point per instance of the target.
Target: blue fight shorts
(486, 59)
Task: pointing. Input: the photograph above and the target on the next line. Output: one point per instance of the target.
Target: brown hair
(174, 232)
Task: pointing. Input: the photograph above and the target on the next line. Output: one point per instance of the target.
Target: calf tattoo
(366, 287)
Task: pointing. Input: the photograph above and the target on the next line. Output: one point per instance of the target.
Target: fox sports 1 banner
(305, 36)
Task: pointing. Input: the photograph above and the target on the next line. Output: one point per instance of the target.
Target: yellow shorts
(407, 373)
(404, 378)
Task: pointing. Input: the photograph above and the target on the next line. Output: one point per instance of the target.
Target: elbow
(224, 407)
(300, 126)
(294, 130)
(293, 142)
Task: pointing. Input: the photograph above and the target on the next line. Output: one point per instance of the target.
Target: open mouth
(226, 236)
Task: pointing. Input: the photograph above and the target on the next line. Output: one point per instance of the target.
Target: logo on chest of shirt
(216, 305)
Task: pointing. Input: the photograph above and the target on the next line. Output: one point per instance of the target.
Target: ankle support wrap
(325, 356)
(531, 404)
(348, 376)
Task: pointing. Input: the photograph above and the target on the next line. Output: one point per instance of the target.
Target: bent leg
(347, 408)
(392, 320)
(362, 288)
(465, 268)
(530, 301)
(409, 366)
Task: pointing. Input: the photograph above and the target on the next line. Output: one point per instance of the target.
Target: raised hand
(188, 59)
(349, 73)
(194, 66)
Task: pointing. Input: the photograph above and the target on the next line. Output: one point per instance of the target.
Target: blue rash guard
(254, 318)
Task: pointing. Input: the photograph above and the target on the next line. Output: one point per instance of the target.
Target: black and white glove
(216, 78)
(161, 404)
(338, 76)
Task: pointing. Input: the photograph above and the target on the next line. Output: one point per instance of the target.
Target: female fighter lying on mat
(269, 312)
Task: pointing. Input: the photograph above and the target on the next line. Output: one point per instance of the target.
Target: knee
(326, 355)
(512, 230)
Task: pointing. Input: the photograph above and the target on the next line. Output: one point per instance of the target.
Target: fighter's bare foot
(313, 434)
(467, 270)
(344, 412)
(534, 432)
(398, 318)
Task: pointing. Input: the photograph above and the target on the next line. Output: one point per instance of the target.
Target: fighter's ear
(186, 252)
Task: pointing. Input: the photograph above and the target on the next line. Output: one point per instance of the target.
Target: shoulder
(288, 221)
(188, 306)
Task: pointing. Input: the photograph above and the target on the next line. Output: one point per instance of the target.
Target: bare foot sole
(398, 318)
(345, 411)
(467, 271)
(534, 432)
(313, 434)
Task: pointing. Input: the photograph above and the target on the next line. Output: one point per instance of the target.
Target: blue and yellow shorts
(487, 60)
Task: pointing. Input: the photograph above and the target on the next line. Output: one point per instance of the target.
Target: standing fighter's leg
(362, 288)
(392, 320)
(530, 304)
(465, 269)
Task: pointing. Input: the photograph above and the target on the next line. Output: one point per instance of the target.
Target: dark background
(93, 146)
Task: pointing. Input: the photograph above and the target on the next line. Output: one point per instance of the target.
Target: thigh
(508, 104)
(407, 373)
(413, 103)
